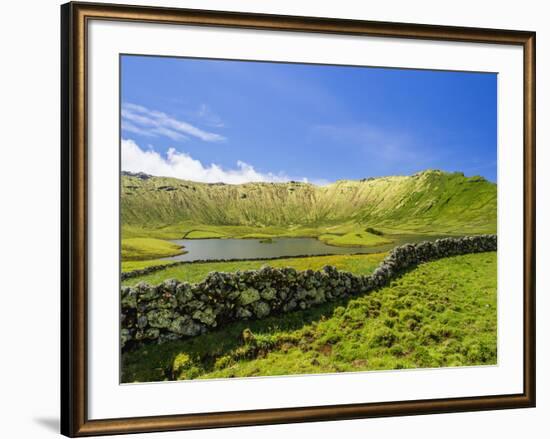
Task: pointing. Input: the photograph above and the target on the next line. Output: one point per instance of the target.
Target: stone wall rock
(174, 310)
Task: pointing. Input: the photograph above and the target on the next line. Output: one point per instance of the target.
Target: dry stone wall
(174, 310)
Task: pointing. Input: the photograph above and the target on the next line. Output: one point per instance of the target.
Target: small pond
(216, 248)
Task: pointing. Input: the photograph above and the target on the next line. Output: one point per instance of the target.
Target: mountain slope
(429, 202)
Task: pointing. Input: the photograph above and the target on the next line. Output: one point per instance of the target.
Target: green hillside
(430, 202)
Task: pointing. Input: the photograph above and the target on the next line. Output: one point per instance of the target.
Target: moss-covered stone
(261, 309)
(208, 317)
(268, 293)
(160, 318)
(249, 296)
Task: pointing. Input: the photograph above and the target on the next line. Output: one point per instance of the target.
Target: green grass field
(192, 230)
(354, 239)
(442, 313)
(196, 272)
(138, 265)
(133, 249)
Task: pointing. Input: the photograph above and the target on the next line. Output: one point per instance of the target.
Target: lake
(216, 248)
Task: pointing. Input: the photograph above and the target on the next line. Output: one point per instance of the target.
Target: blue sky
(233, 121)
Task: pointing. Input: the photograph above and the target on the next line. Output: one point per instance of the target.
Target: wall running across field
(174, 310)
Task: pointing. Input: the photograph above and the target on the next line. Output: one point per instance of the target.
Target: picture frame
(75, 221)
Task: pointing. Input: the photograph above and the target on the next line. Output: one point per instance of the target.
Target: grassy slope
(428, 202)
(358, 264)
(442, 313)
(134, 249)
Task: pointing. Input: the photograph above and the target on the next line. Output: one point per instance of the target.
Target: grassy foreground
(443, 313)
(196, 272)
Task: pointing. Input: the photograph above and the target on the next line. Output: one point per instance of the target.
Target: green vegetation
(133, 249)
(196, 272)
(368, 212)
(443, 313)
(201, 234)
(430, 202)
(139, 265)
(373, 231)
(354, 239)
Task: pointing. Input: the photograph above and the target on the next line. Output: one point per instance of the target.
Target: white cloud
(140, 120)
(206, 114)
(181, 165)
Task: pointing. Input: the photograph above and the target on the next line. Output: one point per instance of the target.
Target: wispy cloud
(182, 165)
(209, 117)
(141, 120)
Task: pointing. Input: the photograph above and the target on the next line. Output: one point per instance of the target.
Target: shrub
(223, 362)
(181, 364)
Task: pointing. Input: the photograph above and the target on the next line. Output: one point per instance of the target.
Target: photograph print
(286, 218)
